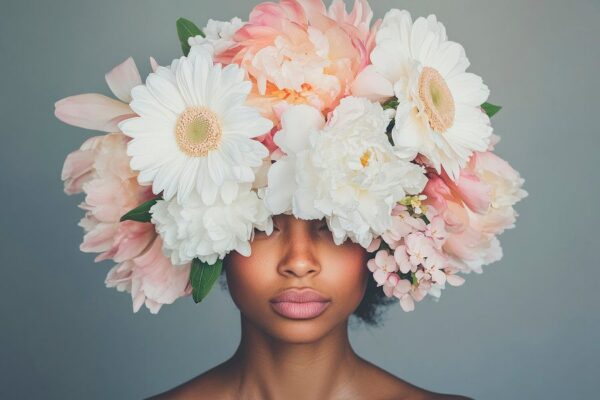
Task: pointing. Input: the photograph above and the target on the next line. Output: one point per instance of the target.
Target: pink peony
(475, 208)
(151, 279)
(100, 169)
(297, 52)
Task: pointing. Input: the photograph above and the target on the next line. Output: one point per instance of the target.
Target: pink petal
(92, 111)
(407, 303)
(122, 78)
(372, 85)
(374, 245)
(455, 280)
(77, 170)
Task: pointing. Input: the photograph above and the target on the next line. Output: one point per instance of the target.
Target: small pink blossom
(382, 266)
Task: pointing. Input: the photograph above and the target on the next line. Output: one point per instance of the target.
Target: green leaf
(391, 103)
(203, 277)
(491, 109)
(185, 30)
(140, 213)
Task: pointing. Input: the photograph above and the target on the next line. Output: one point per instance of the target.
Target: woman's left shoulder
(390, 387)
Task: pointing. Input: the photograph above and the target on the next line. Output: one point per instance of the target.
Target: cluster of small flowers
(305, 110)
(411, 262)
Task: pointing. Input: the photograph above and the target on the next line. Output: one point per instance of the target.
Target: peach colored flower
(296, 52)
(100, 169)
(151, 279)
(476, 208)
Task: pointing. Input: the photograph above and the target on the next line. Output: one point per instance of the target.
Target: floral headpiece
(302, 110)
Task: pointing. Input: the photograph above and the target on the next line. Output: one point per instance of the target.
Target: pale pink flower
(506, 190)
(101, 170)
(151, 279)
(476, 208)
(436, 231)
(418, 248)
(297, 52)
(402, 225)
(98, 112)
(382, 266)
(403, 260)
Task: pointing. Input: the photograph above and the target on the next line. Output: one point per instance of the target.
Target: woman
(291, 350)
(373, 132)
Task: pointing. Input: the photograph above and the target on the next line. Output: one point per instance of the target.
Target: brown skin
(281, 358)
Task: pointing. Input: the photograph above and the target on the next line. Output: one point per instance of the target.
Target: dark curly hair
(374, 303)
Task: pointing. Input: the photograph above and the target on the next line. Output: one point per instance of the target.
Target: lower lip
(300, 310)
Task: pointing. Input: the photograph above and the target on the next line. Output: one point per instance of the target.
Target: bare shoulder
(390, 387)
(209, 385)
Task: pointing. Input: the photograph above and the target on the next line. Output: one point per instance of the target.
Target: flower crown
(303, 110)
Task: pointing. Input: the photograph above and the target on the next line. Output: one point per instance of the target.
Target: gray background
(528, 328)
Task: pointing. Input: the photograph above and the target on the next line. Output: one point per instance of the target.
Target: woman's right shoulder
(208, 385)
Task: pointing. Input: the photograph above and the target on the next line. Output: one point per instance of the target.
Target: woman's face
(298, 254)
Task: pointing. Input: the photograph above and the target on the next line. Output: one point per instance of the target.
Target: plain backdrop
(528, 328)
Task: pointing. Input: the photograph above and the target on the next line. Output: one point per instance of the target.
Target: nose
(299, 259)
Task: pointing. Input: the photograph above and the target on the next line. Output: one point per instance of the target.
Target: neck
(268, 368)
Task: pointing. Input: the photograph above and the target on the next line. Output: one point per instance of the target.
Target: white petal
(372, 85)
(297, 123)
(282, 184)
(165, 92)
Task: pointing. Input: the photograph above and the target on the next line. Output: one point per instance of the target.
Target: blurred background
(528, 328)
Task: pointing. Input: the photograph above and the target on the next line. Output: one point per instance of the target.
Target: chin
(298, 331)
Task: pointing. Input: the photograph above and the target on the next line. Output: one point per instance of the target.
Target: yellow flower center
(198, 131)
(437, 100)
(366, 157)
(293, 96)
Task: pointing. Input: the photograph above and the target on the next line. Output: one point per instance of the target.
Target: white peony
(345, 169)
(439, 112)
(218, 36)
(194, 133)
(195, 230)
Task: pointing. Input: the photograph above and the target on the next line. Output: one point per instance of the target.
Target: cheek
(251, 280)
(345, 274)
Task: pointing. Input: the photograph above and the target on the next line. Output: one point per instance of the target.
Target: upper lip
(296, 295)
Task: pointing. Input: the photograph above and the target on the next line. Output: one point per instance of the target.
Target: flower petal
(122, 78)
(92, 111)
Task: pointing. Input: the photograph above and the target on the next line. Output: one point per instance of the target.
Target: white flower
(218, 36)
(194, 132)
(439, 112)
(292, 180)
(346, 170)
(195, 230)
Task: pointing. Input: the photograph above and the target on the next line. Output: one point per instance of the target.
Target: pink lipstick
(300, 303)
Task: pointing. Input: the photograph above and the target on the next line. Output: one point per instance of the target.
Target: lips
(300, 303)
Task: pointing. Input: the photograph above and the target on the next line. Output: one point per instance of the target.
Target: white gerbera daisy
(194, 131)
(439, 112)
(195, 230)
